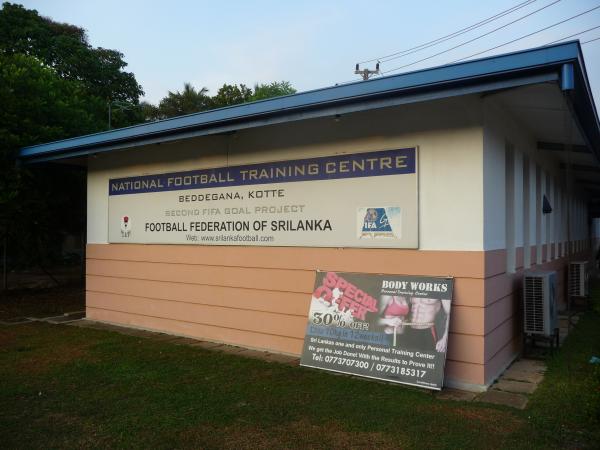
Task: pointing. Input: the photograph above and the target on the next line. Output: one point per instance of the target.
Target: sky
(311, 44)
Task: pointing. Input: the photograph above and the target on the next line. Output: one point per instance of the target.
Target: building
(496, 140)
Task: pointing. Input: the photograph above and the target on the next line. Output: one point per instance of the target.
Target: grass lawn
(63, 386)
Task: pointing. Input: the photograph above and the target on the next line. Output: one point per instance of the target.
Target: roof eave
(445, 81)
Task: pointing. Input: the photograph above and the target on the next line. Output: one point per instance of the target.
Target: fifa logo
(375, 222)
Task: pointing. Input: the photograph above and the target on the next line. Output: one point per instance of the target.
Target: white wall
(500, 129)
(448, 134)
(494, 201)
(545, 178)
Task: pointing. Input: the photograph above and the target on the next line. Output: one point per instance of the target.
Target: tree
(274, 89)
(185, 102)
(148, 112)
(65, 49)
(53, 85)
(39, 106)
(190, 100)
(231, 94)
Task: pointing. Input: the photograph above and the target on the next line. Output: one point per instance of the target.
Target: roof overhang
(561, 64)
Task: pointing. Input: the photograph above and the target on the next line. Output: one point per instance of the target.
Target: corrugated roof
(491, 73)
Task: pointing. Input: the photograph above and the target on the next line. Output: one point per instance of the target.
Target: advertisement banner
(350, 200)
(388, 327)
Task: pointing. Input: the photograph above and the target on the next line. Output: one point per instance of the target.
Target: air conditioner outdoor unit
(539, 301)
(578, 279)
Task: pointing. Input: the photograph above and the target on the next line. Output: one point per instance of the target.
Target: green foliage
(39, 106)
(180, 103)
(53, 85)
(275, 89)
(191, 100)
(230, 95)
(595, 298)
(148, 112)
(567, 403)
(65, 49)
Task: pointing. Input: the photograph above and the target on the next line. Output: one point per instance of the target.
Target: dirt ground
(18, 303)
(37, 278)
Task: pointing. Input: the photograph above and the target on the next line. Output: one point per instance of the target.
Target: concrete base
(461, 385)
(171, 336)
(471, 387)
(516, 387)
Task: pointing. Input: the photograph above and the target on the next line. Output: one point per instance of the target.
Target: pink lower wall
(258, 297)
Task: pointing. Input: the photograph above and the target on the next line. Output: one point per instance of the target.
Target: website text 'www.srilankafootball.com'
(236, 238)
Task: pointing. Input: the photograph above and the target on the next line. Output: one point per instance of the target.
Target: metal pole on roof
(366, 73)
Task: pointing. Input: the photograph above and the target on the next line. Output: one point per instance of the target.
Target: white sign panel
(352, 200)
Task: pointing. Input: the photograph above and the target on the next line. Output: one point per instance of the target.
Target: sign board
(389, 327)
(350, 200)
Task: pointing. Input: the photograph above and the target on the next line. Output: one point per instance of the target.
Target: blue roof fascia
(506, 65)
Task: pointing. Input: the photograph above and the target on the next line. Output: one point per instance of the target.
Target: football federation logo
(125, 226)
